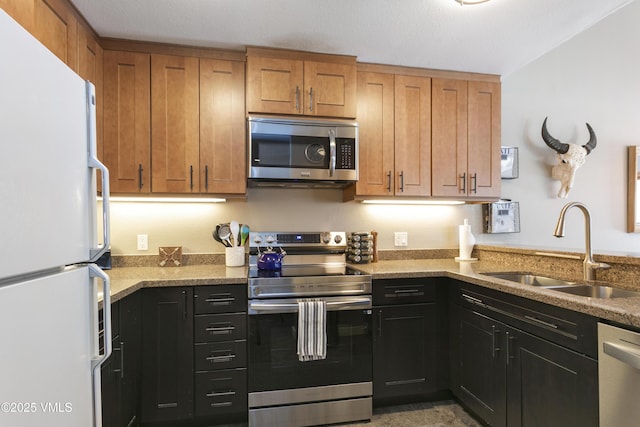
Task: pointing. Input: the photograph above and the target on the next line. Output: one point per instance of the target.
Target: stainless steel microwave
(299, 151)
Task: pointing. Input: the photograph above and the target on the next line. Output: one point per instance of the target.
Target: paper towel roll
(466, 241)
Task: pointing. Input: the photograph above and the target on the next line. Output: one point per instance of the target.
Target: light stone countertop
(127, 280)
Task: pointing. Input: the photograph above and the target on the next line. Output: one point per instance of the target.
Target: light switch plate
(401, 238)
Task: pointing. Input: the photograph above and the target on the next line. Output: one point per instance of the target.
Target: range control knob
(257, 239)
(338, 238)
(326, 238)
(270, 239)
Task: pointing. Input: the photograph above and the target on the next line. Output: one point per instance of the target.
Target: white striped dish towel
(312, 329)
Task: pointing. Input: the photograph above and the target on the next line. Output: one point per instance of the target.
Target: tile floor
(433, 414)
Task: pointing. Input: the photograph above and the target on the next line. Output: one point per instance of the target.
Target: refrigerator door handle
(94, 163)
(99, 359)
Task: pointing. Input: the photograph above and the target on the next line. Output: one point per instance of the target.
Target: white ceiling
(496, 37)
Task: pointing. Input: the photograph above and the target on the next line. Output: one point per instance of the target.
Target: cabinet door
(222, 127)
(481, 376)
(90, 67)
(412, 136)
(405, 351)
(330, 89)
(549, 385)
(56, 26)
(483, 144)
(167, 354)
(175, 124)
(274, 85)
(127, 119)
(375, 134)
(130, 351)
(20, 11)
(449, 123)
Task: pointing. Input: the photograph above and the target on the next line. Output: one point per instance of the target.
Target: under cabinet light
(413, 202)
(166, 199)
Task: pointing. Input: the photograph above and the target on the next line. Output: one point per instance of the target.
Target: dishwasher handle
(626, 353)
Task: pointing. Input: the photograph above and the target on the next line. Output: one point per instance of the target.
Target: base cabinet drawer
(220, 327)
(220, 355)
(220, 392)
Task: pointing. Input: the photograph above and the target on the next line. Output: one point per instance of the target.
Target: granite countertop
(125, 281)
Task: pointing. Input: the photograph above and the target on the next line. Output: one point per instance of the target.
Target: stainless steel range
(285, 389)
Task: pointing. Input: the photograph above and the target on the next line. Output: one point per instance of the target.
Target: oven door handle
(291, 306)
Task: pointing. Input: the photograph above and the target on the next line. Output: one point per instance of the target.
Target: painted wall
(594, 77)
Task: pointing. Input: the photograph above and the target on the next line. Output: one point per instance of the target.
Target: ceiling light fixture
(463, 2)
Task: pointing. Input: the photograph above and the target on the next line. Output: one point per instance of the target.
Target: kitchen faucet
(589, 265)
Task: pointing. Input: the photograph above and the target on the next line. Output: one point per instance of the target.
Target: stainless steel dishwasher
(619, 376)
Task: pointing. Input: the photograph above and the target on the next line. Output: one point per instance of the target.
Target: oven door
(273, 332)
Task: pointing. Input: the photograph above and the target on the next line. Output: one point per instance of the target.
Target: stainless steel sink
(598, 291)
(531, 279)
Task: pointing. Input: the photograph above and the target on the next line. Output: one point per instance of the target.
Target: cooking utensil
(216, 235)
(244, 234)
(235, 232)
(224, 232)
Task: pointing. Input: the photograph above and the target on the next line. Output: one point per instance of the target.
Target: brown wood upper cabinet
(394, 131)
(222, 127)
(127, 120)
(465, 139)
(283, 82)
(175, 124)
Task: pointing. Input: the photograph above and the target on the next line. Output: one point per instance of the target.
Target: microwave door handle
(332, 152)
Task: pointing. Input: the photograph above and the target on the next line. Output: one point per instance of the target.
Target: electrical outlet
(143, 242)
(401, 238)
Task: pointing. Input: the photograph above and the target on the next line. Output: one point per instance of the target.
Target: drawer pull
(221, 393)
(542, 322)
(473, 300)
(220, 301)
(223, 330)
(221, 404)
(221, 359)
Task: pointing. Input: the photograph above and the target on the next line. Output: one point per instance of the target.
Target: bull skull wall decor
(570, 158)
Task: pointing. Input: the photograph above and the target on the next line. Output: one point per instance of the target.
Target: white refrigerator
(49, 288)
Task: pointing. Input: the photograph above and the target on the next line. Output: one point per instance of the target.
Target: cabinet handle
(542, 322)
(219, 359)
(494, 349)
(311, 99)
(401, 181)
(221, 404)
(473, 178)
(510, 338)
(140, 184)
(463, 179)
(191, 177)
(221, 393)
(297, 98)
(206, 177)
(473, 300)
(121, 359)
(220, 301)
(184, 307)
(380, 323)
(389, 182)
(220, 330)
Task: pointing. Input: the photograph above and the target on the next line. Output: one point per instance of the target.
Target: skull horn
(558, 146)
(589, 146)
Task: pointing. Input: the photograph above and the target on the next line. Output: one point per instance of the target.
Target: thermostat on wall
(501, 217)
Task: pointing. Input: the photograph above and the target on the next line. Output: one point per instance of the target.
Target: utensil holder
(234, 256)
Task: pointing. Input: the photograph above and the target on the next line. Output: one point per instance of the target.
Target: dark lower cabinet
(120, 375)
(167, 354)
(408, 342)
(512, 377)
